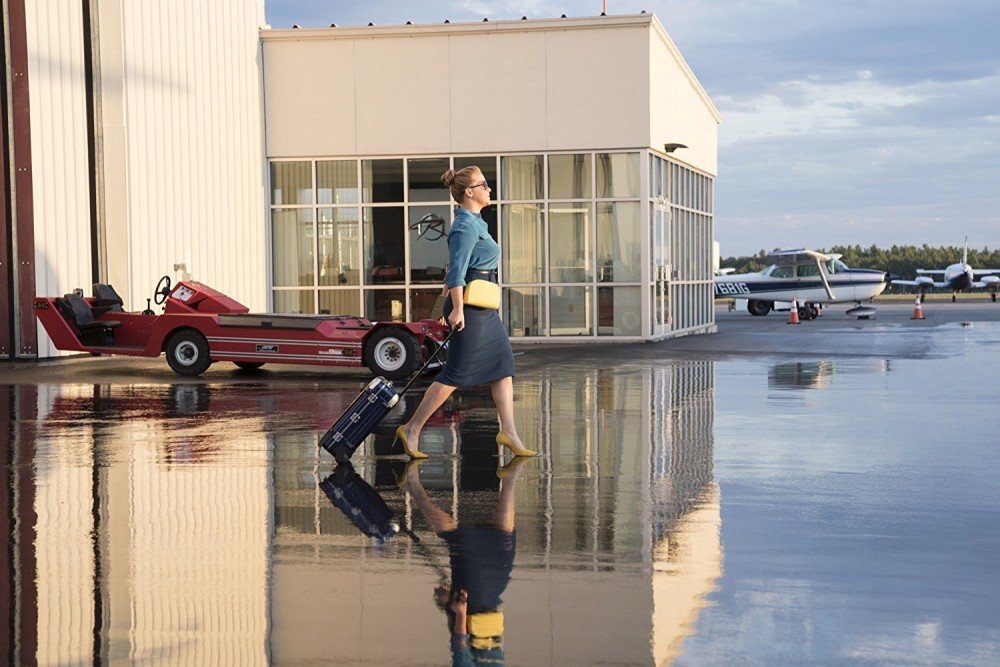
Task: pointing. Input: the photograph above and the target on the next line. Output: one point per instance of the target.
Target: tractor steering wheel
(160, 294)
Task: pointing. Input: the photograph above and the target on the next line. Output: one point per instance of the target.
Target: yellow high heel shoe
(514, 449)
(412, 453)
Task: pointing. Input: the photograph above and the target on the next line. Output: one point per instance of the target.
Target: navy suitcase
(359, 502)
(364, 414)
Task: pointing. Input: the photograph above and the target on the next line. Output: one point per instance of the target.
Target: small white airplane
(811, 278)
(956, 277)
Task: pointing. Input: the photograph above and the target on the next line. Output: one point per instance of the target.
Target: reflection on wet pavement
(195, 523)
(200, 523)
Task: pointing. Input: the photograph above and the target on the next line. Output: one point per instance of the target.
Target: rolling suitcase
(359, 502)
(367, 410)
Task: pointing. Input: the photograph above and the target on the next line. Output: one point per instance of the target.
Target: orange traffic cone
(918, 310)
(793, 314)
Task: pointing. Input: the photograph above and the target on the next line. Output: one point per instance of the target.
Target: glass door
(660, 221)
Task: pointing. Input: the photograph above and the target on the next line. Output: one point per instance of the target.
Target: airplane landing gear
(953, 297)
(993, 297)
(808, 312)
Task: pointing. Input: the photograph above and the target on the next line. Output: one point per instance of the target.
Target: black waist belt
(477, 274)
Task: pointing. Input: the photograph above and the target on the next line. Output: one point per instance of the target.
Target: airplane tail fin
(965, 253)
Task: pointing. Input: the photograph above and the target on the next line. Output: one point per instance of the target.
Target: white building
(291, 168)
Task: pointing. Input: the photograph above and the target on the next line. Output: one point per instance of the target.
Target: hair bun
(448, 178)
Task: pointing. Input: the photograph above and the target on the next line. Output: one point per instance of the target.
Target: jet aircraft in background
(956, 277)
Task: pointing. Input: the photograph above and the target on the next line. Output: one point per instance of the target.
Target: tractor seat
(106, 300)
(83, 316)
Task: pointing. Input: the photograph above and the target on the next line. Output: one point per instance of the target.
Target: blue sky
(843, 122)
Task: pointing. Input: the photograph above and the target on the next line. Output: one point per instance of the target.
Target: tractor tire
(249, 365)
(392, 352)
(187, 353)
(759, 308)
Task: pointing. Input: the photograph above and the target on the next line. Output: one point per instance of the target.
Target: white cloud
(809, 107)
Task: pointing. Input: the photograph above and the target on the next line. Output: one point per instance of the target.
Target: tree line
(900, 260)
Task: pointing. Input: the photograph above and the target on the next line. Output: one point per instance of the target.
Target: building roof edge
(625, 20)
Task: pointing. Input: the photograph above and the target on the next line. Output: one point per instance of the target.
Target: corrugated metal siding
(194, 147)
(57, 88)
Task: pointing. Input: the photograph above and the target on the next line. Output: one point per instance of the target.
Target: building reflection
(189, 525)
(617, 527)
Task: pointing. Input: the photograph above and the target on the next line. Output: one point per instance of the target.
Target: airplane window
(831, 266)
(782, 272)
(841, 267)
(808, 270)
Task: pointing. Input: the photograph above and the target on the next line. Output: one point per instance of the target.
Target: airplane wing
(803, 256)
(921, 281)
(725, 272)
(931, 271)
(984, 272)
(798, 256)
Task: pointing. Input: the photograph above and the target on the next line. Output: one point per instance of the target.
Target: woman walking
(479, 352)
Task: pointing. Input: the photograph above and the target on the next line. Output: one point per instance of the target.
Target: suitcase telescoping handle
(428, 362)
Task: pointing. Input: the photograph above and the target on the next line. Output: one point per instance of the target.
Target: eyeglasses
(484, 184)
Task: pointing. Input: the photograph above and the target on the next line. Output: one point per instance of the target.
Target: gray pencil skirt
(480, 352)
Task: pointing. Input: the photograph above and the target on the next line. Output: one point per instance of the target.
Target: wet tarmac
(692, 508)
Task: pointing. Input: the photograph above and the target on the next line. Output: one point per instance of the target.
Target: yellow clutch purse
(482, 294)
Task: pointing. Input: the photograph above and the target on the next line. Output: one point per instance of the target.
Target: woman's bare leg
(503, 398)
(433, 399)
(503, 518)
(439, 520)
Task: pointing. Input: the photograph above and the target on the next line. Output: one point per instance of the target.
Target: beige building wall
(60, 185)
(503, 86)
(680, 110)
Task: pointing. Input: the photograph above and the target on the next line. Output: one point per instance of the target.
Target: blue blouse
(470, 246)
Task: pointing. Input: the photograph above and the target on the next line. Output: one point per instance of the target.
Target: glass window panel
(382, 181)
(339, 302)
(569, 311)
(339, 247)
(428, 230)
(486, 163)
(384, 253)
(570, 243)
(569, 176)
(337, 182)
(524, 311)
(652, 177)
(619, 311)
(617, 175)
(384, 305)
(664, 172)
(291, 183)
(489, 215)
(292, 243)
(293, 301)
(522, 176)
(523, 245)
(425, 179)
(619, 248)
(421, 303)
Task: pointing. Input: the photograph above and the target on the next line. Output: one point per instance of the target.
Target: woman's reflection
(481, 553)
